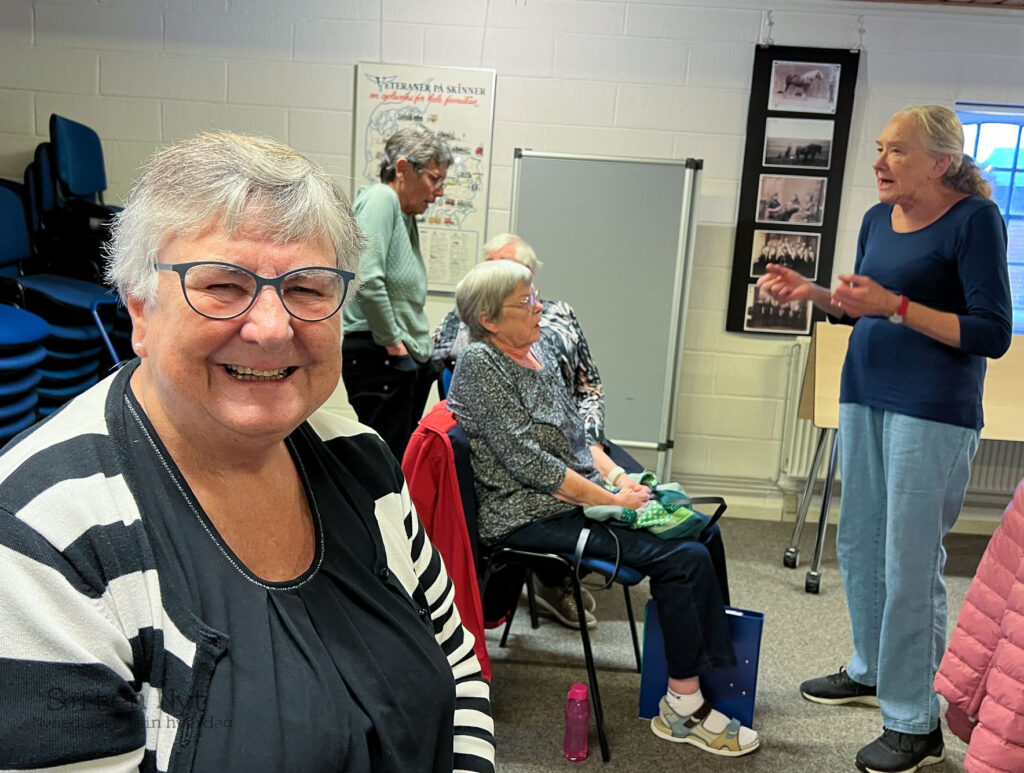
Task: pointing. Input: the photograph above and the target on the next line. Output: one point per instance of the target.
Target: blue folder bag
(730, 690)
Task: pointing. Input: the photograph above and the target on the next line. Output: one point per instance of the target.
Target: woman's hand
(632, 498)
(626, 482)
(785, 285)
(862, 296)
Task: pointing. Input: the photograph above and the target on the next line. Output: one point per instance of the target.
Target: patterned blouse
(559, 324)
(524, 432)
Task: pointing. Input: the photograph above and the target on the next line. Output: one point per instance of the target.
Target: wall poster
(798, 124)
(458, 104)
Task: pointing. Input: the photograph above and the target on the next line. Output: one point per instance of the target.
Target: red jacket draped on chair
(429, 469)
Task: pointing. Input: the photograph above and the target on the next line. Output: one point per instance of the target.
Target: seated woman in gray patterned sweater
(534, 473)
(558, 324)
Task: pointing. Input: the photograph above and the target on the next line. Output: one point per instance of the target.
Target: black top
(334, 670)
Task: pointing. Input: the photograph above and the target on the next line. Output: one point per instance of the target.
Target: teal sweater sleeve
(392, 276)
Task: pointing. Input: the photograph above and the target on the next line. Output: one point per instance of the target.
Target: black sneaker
(895, 752)
(837, 689)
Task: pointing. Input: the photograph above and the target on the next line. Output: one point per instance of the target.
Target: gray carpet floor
(805, 635)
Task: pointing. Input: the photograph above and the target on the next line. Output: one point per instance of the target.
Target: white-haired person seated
(534, 472)
(560, 327)
(201, 570)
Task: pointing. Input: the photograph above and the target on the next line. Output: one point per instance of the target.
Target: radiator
(997, 468)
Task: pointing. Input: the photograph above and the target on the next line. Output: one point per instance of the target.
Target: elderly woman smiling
(202, 571)
(534, 471)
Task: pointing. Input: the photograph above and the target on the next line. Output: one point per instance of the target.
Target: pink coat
(982, 672)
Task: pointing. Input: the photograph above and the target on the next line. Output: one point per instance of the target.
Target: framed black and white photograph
(785, 198)
(804, 87)
(792, 249)
(798, 142)
(798, 128)
(764, 314)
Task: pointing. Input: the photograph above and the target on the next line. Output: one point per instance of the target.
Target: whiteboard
(615, 236)
(458, 104)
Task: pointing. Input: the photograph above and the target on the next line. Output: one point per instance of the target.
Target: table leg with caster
(791, 558)
(812, 582)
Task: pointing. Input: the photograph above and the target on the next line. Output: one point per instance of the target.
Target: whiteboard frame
(664, 443)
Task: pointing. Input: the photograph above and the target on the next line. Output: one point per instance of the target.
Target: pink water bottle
(577, 723)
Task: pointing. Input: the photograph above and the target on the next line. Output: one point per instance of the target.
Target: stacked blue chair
(79, 179)
(64, 243)
(21, 351)
(79, 167)
(79, 314)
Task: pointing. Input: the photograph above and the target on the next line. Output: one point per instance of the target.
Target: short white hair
(523, 254)
(230, 181)
(483, 291)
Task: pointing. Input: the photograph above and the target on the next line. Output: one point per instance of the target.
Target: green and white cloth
(666, 514)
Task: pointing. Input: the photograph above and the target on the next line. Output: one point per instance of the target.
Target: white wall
(665, 79)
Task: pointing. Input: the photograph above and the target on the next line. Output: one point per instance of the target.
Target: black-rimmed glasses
(225, 291)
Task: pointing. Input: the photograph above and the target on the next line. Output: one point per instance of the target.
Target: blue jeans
(904, 481)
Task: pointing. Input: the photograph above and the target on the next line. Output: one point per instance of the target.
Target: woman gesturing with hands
(929, 301)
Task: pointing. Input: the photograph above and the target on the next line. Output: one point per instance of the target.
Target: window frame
(976, 115)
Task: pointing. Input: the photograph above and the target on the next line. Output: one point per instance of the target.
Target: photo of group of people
(800, 145)
(767, 314)
(791, 199)
(798, 251)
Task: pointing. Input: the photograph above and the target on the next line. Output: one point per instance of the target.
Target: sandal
(690, 729)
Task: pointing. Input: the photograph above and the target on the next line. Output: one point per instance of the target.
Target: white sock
(715, 722)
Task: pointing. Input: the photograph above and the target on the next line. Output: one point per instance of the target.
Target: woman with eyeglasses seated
(534, 473)
(201, 570)
(387, 346)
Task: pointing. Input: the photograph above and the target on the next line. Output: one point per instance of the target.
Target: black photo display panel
(798, 127)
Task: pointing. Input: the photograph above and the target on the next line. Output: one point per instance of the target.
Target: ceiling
(1017, 5)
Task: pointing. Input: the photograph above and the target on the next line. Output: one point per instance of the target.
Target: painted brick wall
(667, 79)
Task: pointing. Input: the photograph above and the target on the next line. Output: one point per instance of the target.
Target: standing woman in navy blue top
(929, 300)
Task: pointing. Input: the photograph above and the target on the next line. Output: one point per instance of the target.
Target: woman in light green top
(386, 350)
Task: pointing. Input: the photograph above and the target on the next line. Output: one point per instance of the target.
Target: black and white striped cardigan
(80, 597)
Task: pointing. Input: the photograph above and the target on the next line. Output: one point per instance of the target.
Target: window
(994, 137)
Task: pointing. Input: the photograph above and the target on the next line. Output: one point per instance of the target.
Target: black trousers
(388, 392)
(686, 584)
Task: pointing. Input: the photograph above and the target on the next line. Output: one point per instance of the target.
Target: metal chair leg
(595, 694)
(632, 628)
(512, 613)
(791, 558)
(531, 598)
(812, 582)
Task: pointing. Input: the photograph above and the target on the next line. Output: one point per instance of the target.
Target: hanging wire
(860, 33)
(766, 28)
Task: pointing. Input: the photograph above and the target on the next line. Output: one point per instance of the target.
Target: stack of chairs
(22, 336)
(80, 315)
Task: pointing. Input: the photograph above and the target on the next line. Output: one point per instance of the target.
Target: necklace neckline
(176, 477)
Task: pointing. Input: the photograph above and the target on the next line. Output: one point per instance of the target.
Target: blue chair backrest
(467, 491)
(45, 182)
(79, 158)
(31, 198)
(14, 240)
